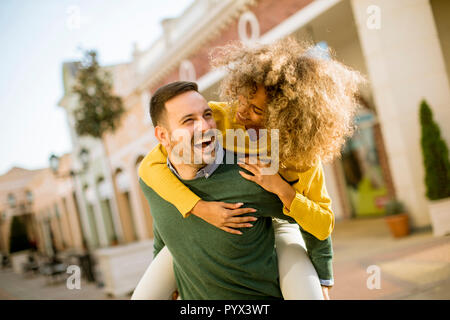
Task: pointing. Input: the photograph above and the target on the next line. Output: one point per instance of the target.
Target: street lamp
(54, 163)
(83, 155)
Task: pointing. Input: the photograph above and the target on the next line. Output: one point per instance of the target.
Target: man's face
(187, 130)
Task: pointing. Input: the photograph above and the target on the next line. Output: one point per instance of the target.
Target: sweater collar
(207, 170)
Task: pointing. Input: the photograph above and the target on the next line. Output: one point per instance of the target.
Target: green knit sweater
(212, 264)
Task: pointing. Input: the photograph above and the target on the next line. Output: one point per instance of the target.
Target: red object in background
(380, 202)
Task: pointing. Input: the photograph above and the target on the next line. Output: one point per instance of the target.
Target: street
(414, 267)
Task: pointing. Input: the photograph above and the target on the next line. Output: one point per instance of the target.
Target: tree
(100, 110)
(19, 239)
(435, 156)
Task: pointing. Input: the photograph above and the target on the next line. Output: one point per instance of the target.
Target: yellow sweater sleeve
(311, 207)
(154, 172)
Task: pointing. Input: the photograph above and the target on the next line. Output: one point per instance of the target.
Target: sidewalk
(14, 286)
(414, 267)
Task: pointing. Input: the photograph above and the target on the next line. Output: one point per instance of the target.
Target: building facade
(384, 40)
(382, 160)
(55, 209)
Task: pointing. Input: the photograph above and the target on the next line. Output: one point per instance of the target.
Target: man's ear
(162, 135)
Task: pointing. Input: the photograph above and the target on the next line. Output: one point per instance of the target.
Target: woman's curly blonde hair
(311, 101)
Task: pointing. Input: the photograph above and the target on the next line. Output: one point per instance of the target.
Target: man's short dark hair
(164, 94)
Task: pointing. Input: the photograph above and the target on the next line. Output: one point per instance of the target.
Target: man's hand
(326, 296)
(223, 215)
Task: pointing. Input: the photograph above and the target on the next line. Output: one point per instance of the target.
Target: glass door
(365, 185)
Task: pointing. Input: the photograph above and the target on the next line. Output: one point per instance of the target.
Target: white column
(405, 65)
(82, 206)
(332, 188)
(107, 173)
(136, 205)
(98, 213)
(80, 196)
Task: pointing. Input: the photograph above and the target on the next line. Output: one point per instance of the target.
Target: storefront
(383, 159)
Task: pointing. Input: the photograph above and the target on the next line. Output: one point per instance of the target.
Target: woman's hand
(270, 182)
(223, 215)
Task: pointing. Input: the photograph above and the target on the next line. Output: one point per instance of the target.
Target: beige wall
(405, 65)
(51, 192)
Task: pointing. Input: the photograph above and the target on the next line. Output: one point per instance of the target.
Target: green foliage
(394, 207)
(19, 239)
(435, 156)
(100, 110)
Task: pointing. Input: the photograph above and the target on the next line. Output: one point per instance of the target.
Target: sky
(36, 38)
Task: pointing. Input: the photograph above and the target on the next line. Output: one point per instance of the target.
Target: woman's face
(250, 113)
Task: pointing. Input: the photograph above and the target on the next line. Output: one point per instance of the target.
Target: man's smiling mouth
(206, 143)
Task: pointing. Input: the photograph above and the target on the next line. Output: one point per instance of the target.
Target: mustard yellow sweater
(311, 207)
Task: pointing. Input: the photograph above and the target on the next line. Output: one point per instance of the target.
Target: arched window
(29, 196)
(11, 200)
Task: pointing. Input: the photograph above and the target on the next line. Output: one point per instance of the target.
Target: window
(11, 200)
(29, 196)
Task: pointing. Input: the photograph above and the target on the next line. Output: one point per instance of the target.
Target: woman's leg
(158, 282)
(298, 278)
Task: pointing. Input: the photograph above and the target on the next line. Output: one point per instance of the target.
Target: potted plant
(396, 218)
(437, 172)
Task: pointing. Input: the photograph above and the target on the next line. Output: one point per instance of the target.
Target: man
(209, 263)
